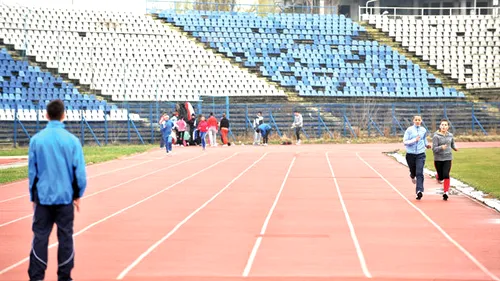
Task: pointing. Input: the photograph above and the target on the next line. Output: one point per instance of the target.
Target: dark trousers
(297, 132)
(416, 165)
(265, 137)
(43, 221)
(443, 169)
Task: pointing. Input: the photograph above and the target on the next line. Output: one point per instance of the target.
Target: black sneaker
(445, 197)
(419, 195)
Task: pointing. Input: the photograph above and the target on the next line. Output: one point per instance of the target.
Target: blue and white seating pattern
(317, 55)
(466, 47)
(126, 56)
(29, 89)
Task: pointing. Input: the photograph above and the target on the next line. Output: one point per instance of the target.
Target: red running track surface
(12, 160)
(309, 212)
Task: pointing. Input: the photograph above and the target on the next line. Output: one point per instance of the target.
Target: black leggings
(297, 132)
(443, 169)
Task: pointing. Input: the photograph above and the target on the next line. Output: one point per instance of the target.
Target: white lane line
(155, 245)
(462, 249)
(258, 241)
(354, 237)
(91, 177)
(112, 187)
(7, 269)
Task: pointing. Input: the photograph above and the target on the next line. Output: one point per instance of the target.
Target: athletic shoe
(419, 195)
(445, 196)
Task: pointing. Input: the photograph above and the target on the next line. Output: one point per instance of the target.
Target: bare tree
(334, 6)
(215, 5)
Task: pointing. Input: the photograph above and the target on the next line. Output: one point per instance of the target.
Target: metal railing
(260, 9)
(321, 121)
(419, 12)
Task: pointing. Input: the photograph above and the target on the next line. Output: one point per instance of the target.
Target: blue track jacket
(410, 139)
(264, 128)
(56, 167)
(166, 129)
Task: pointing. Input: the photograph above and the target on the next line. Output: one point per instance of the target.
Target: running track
(310, 212)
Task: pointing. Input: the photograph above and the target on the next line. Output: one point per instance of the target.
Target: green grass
(13, 174)
(476, 167)
(14, 151)
(93, 154)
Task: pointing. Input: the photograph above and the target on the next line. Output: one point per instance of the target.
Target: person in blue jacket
(166, 131)
(264, 129)
(57, 181)
(415, 141)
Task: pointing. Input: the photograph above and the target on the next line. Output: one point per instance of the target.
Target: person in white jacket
(259, 119)
(297, 124)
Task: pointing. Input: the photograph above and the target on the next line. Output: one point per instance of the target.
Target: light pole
(368, 2)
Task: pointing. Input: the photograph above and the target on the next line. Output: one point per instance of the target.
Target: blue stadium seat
(299, 50)
(27, 86)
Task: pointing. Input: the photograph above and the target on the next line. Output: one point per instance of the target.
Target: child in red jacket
(203, 129)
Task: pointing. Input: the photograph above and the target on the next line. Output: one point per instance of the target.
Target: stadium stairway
(373, 33)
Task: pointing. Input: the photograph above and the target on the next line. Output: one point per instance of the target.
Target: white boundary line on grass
(186, 219)
(258, 241)
(446, 235)
(112, 187)
(7, 269)
(354, 237)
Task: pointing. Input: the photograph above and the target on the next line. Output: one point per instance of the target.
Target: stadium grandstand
(338, 61)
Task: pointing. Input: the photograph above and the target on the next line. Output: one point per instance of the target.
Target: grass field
(475, 167)
(93, 154)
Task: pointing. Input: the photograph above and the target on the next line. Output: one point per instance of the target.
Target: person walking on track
(297, 125)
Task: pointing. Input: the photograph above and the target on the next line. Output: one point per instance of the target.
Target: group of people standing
(415, 141)
(177, 131)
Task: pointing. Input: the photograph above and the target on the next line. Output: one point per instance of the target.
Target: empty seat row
(71, 115)
(293, 64)
(470, 44)
(167, 56)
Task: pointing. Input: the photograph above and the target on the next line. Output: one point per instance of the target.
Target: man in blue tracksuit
(166, 131)
(57, 181)
(264, 129)
(415, 141)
